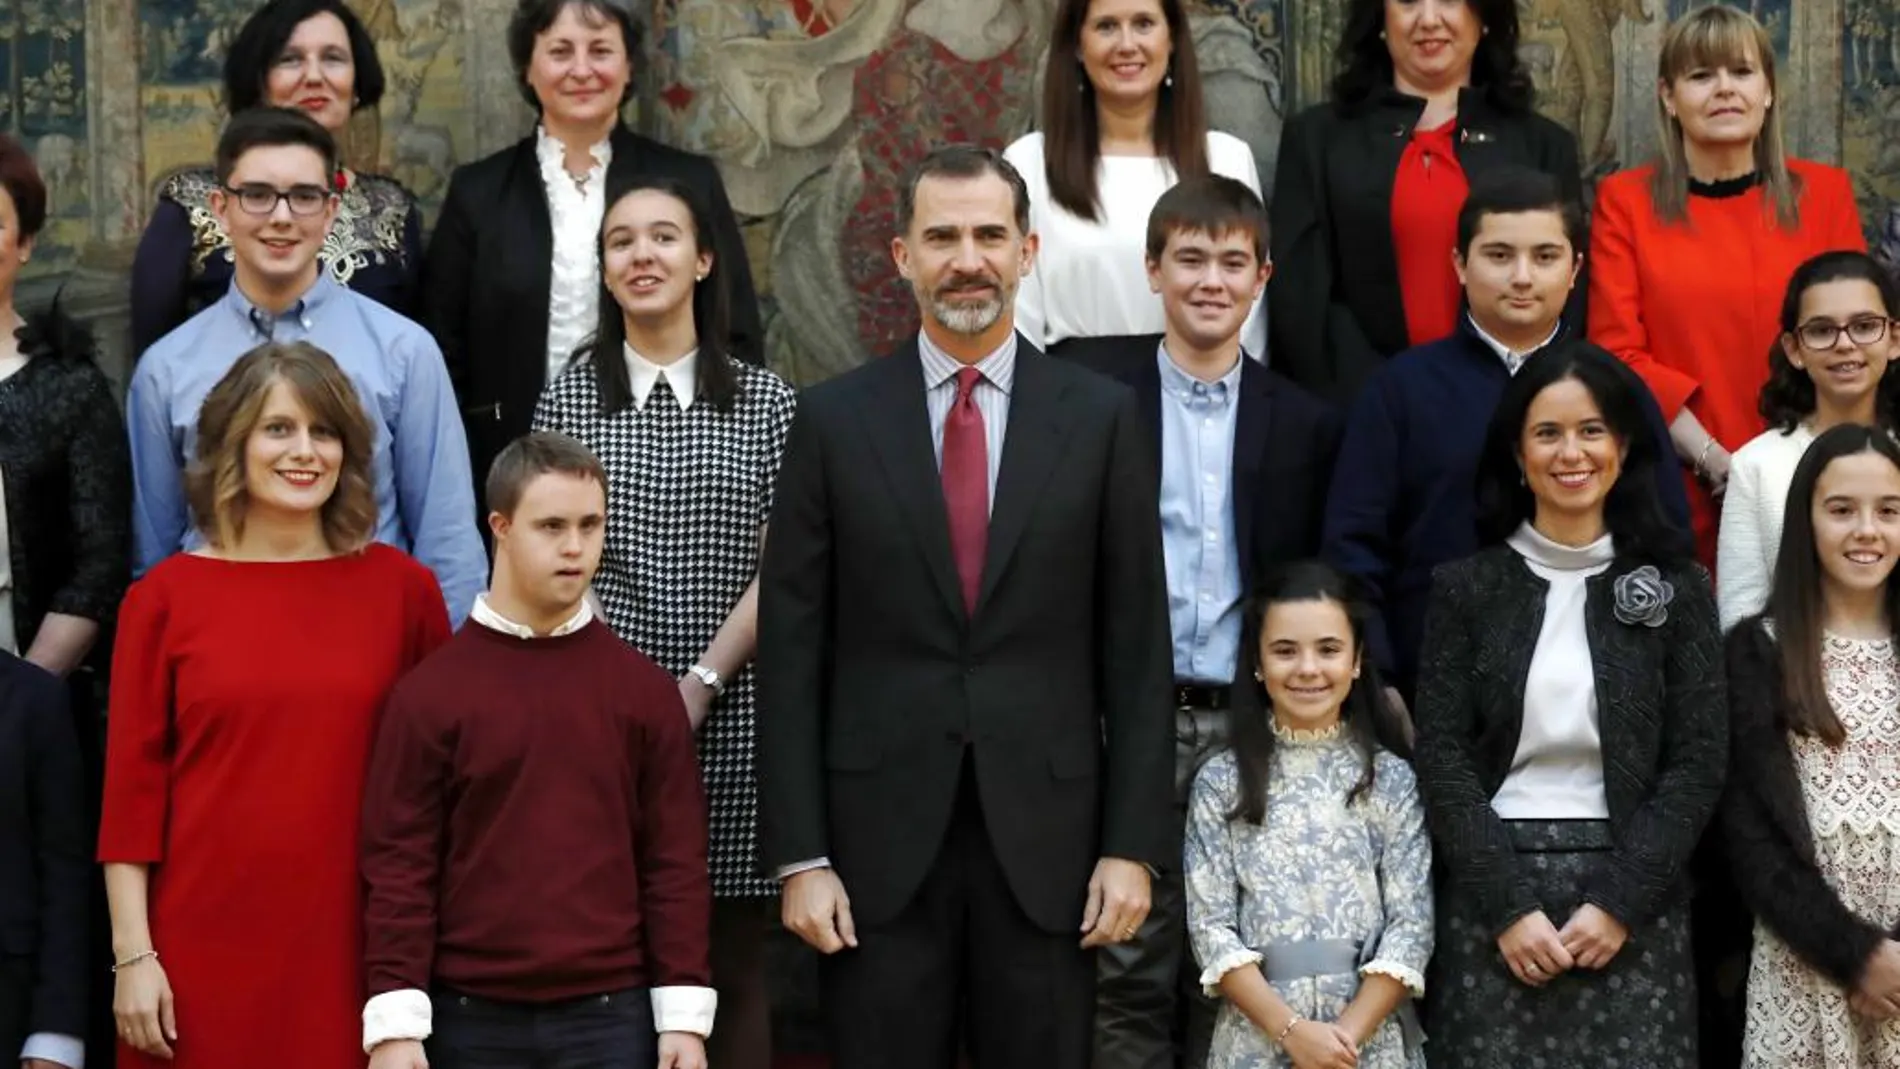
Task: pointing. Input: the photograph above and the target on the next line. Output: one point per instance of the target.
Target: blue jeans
(610, 1031)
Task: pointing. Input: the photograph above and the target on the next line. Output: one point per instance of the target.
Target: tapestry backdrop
(815, 107)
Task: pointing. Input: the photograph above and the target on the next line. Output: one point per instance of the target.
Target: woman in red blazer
(1690, 253)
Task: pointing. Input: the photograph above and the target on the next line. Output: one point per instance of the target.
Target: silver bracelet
(149, 955)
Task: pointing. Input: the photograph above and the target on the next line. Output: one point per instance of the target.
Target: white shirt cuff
(684, 1009)
(69, 1051)
(404, 1014)
(786, 872)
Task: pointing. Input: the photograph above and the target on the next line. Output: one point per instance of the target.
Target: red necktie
(966, 485)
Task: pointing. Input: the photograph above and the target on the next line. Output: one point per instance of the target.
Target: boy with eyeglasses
(276, 199)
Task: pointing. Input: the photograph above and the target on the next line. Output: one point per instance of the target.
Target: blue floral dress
(1317, 879)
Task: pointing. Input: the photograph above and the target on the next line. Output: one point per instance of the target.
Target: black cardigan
(1765, 822)
(1335, 308)
(1660, 701)
(68, 480)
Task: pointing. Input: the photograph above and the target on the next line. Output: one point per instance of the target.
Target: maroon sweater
(534, 827)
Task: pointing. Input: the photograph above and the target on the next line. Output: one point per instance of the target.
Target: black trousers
(1150, 1012)
(961, 967)
(611, 1031)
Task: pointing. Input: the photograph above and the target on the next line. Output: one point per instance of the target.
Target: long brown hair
(1796, 604)
(1071, 136)
(215, 483)
(1719, 36)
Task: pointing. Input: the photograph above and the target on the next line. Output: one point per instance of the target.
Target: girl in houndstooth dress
(690, 437)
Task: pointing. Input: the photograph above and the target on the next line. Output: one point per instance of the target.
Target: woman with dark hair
(313, 55)
(1832, 365)
(246, 683)
(690, 438)
(65, 477)
(1722, 191)
(1308, 869)
(1122, 121)
(1810, 815)
(1571, 739)
(1430, 94)
(510, 288)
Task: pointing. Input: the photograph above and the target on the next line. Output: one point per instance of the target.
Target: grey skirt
(1639, 1012)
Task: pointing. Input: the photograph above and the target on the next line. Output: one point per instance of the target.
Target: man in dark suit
(963, 658)
(1245, 456)
(45, 865)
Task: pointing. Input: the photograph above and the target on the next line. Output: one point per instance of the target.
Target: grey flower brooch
(1643, 597)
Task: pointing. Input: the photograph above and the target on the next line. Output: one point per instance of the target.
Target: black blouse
(68, 479)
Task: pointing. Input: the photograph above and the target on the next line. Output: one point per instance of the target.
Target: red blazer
(1694, 308)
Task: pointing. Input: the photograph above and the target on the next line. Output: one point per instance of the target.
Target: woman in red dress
(1691, 254)
(247, 681)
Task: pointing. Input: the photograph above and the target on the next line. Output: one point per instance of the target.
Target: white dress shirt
(575, 210)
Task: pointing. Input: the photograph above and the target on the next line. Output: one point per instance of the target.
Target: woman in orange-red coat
(1690, 254)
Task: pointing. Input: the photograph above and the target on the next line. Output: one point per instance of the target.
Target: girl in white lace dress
(1308, 868)
(1813, 817)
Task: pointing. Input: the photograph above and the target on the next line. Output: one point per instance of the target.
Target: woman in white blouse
(1122, 121)
(511, 283)
(1829, 366)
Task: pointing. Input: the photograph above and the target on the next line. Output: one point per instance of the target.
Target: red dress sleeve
(1843, 214)
(1616, 289)
(138, 730)
(428, 615)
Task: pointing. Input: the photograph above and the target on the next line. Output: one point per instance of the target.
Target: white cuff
(786, 872)
(1404, 974)
(404, 1014)
(684, 1009)
(1221, 966)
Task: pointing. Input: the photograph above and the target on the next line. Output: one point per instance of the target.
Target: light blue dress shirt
(425, 497)
(991, 395)
(1197, 521)
(69, 1051)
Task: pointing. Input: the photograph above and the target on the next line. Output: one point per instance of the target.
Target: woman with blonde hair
(246, 683)
(1690, 253)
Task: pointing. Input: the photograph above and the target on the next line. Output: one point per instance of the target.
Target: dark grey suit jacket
(874, 682)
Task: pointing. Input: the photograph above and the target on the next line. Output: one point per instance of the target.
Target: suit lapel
(898, 423)
(1252, 422)
(531, 261)
(1031, 447)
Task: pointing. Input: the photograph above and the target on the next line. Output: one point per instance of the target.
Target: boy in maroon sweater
(534, 833)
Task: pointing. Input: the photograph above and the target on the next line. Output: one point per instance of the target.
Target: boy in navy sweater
(534, 832)
(1403, 498)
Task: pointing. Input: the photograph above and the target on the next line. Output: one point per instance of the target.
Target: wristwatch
(709, 677)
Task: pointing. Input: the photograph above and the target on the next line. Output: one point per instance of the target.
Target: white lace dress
(1797, 1018)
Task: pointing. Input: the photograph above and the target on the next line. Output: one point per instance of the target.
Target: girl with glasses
(1828, 367)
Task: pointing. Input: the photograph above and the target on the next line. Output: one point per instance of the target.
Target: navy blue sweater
(1403, 499)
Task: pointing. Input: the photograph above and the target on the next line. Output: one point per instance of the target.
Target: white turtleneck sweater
(1557, 773)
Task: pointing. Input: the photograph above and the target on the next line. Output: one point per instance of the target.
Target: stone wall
(813, 107)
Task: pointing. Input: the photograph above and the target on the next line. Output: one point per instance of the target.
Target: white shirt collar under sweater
(485, 615)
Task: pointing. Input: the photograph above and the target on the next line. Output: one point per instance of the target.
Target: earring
(1168, 78)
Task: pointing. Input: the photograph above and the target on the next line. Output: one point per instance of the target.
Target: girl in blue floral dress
(1308, 868)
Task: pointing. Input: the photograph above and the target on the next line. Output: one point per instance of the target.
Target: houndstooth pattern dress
(687, 494)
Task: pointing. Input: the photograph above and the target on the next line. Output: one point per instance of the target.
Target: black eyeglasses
(260, 199)
(1820, 334)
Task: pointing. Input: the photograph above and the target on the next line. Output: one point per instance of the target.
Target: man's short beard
(966, 318)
